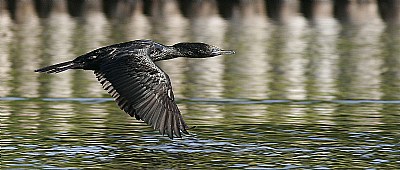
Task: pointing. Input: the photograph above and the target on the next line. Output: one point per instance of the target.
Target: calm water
(315, 93)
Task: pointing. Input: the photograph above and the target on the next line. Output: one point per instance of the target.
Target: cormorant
(140, 88)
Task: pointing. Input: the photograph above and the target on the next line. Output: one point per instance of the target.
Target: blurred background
(313, 84)
(285, 49)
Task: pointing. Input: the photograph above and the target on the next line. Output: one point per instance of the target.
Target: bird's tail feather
(56, 68)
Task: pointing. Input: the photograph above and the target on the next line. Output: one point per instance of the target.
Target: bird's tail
(56, 68)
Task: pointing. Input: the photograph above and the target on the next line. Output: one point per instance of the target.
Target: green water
(94, 134)
(298, 94)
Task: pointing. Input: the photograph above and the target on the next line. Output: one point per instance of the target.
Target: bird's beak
(224, 52)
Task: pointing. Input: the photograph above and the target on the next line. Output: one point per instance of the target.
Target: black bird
(140, 88)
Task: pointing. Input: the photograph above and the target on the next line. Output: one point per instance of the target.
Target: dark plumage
(140, 88)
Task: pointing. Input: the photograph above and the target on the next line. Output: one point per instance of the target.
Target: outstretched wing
(142, 90)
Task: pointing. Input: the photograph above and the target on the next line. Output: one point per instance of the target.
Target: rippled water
(312, 93)
(93, 133)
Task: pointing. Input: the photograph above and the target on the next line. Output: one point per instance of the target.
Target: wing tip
(173, 133)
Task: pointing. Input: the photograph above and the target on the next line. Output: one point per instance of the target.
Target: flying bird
(139, 87)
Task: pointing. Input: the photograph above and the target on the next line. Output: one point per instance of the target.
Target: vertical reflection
(316, 10)
(295, 63)
(390, 85)
(347, 12)
(138, 26)
(88, 34)
(96, 28)
(6, 36)
(359, 61)
(20, 11)
(57, 47)
(321, 61)
(79, 78)
(390, 51)
(281, 12)
(119, 9)
(277, 84)
(24, 50)
(126, 20)
(245, 71)
(288, 65)
(285, 48)
(204, 77)
(320, 53)
(168, 25)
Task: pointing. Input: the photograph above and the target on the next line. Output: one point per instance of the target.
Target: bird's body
(140, 88)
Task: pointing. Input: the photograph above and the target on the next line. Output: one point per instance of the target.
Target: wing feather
(163, 121)
(142, 90)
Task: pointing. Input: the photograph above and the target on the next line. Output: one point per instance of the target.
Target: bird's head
(200, 50)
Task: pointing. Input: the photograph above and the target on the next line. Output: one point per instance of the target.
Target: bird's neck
(168, 52)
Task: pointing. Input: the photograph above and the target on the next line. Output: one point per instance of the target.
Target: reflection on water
(51, 134)
(315, 88)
